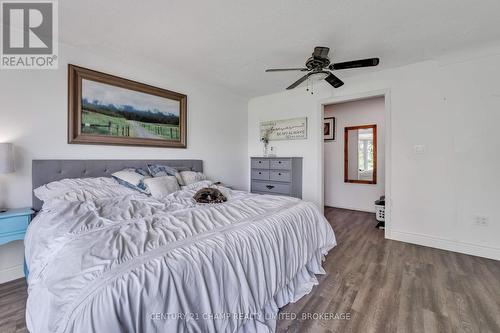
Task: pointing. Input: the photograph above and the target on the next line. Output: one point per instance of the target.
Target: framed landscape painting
(105, 109)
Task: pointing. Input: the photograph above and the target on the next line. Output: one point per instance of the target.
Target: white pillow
(198, 185)
(161, 186)
(132, 178)
(191, 177)
(81, 189)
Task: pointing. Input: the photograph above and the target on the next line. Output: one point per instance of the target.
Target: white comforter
(138, 264)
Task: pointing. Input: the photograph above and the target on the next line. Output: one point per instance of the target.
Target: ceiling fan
(319, 67)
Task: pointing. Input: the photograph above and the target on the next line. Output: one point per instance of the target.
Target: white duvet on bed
(137, 264)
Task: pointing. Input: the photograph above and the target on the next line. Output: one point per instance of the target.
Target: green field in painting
(101, 124)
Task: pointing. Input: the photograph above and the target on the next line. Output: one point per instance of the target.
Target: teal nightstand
(13, 225)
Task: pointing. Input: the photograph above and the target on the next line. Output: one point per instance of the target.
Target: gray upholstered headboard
(46, 171)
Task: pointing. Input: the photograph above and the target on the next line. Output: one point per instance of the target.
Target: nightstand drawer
(14, 224)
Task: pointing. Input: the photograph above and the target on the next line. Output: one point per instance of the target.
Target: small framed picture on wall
(329, 129)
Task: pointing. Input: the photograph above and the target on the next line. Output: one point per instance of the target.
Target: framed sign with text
(285, 129)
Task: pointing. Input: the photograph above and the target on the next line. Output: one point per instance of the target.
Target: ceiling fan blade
(334, 81)
(299, 81)
(356, 63)
(286, 69)
(321, 52)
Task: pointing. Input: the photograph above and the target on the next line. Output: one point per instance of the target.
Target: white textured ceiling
(231, 42)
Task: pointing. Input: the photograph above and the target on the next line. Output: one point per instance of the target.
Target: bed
(133, 263)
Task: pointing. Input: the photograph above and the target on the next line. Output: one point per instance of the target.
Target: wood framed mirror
(360, 154)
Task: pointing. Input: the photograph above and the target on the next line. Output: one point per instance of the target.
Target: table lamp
(6, 160)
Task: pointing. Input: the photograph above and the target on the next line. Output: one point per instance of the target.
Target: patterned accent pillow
(133, 178)
(140, 171)
(159, 170)
(191, 177)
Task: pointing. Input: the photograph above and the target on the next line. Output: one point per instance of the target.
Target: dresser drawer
(260, 164)
(281, 164)
(260, 174)
(271, 187)
(280, 176)
(14, 224)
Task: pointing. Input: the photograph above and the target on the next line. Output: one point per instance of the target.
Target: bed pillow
(197, 185)
(133, 178)
(160, 170)
(81, 189)
(191, 177)
(161, 186)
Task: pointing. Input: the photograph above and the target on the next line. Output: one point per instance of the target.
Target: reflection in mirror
(360, 154)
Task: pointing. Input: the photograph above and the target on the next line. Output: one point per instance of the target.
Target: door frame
(386, 93)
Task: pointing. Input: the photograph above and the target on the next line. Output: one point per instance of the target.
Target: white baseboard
(446, 244)
(11, 273)
(352, 208)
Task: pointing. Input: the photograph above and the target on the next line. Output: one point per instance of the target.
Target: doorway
(369, 175)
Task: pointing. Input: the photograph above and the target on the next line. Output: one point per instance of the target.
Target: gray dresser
(277, 175)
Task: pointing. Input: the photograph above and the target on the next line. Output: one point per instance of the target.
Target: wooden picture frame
(346, 158)
(130, 113)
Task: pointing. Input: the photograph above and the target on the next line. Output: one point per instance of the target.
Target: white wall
(452, 107)
(348, 195)
(290, 104)
(33, 115)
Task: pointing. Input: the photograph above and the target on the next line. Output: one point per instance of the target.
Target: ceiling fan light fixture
(318, 76)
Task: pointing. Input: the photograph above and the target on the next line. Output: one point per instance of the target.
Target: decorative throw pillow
(161, 186)
(159, 170)
(133, 178)
(191, 177)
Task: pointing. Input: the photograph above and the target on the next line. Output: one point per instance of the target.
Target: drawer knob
(260, 162)
(269, 187)
(279, 173)
(260, 173)
(279, 162)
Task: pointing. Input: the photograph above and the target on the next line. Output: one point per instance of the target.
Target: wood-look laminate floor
(379, 285)
(388, 286)
(12, 306)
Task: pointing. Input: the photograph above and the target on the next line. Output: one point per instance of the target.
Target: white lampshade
(6, 158)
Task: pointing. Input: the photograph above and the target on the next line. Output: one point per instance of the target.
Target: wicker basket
(380, 213)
